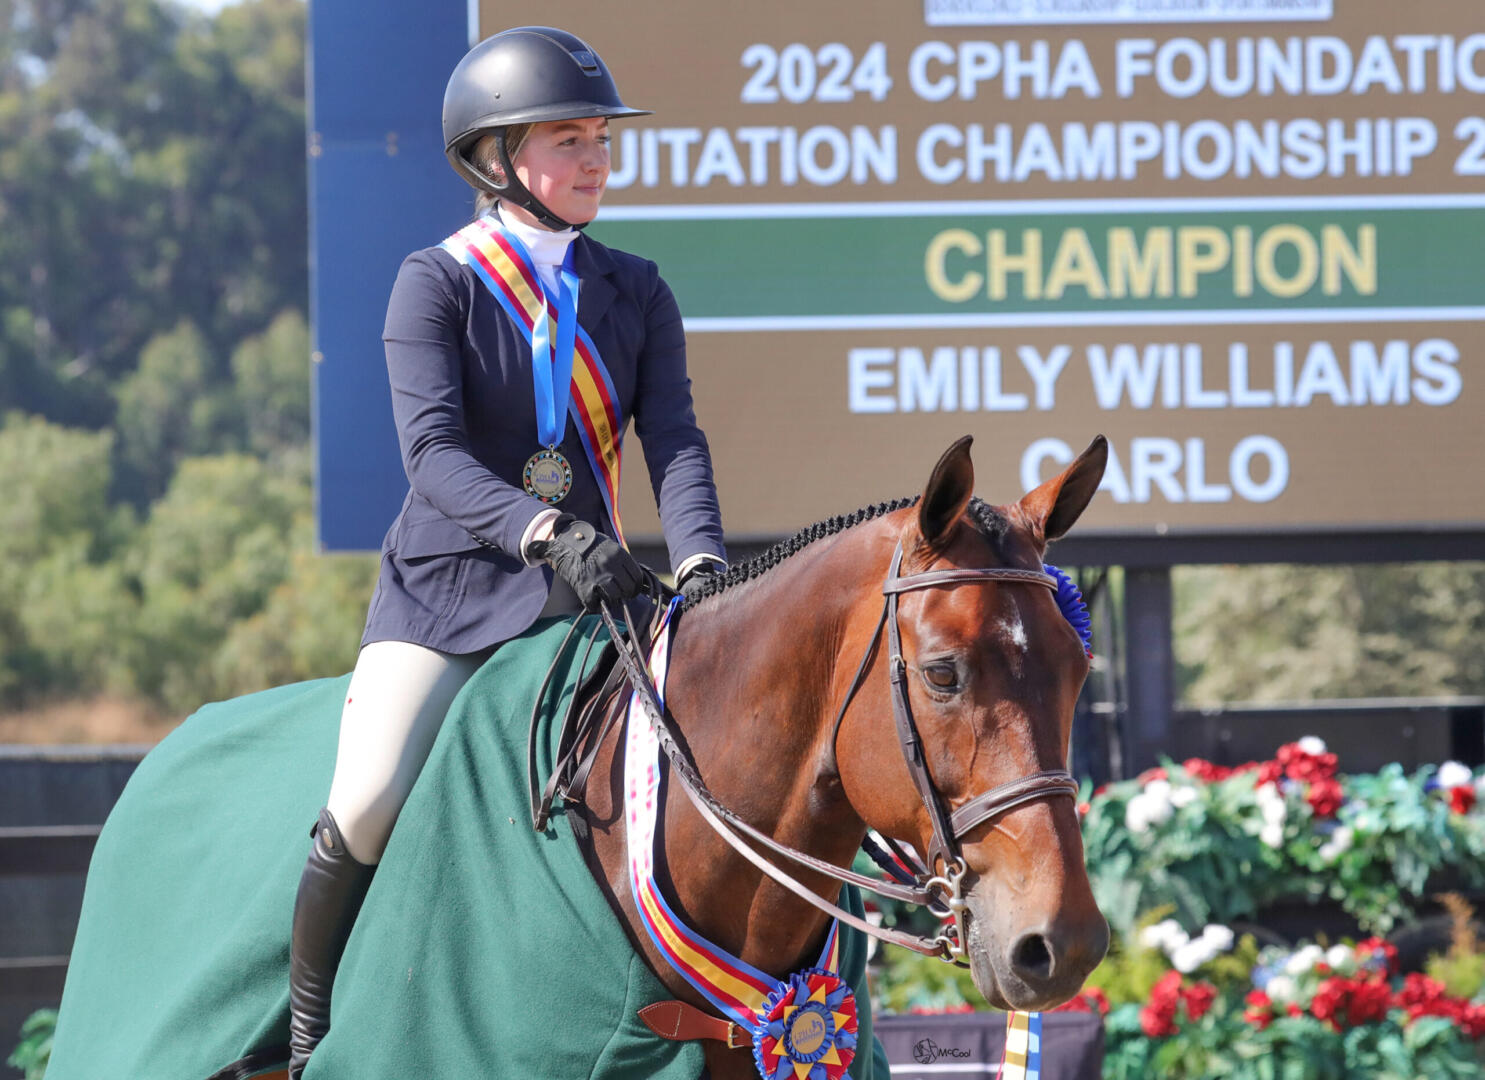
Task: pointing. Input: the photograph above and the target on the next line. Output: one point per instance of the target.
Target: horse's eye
(940, 676)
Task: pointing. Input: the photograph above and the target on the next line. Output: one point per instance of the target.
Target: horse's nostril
(1031, 958)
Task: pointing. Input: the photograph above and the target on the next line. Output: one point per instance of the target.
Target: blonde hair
(484, 158)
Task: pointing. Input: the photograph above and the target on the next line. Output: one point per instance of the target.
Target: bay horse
(792, 679)
(763, 684)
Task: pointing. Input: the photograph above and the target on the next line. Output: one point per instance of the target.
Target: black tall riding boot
(330, 895)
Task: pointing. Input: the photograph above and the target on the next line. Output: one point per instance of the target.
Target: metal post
(1149, 667)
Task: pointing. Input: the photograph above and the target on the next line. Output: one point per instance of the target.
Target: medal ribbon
(735, 987)
(502, 264)
(551, 369)
(1023, 1047)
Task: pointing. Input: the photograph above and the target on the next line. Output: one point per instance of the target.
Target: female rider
(510, 515)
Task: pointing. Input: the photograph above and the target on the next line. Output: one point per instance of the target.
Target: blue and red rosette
(806, 1029)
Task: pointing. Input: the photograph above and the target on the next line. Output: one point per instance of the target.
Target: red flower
(1268, 773)
(1422, 996)
(1461, 799)
(1090, 1000)
(1295, 1010)
(1158, 1018)
(1329, 1000)
(1471, 1020)
(1083, 809)
(1304, 767)
(1324, 797)
(1198, 999)
(1370, 1000)
(1260, 1010)
(1347, 1003)
(1203, 770)
(1152, 774)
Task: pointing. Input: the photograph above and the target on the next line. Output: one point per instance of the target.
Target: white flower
(1312, 744)
(1137, 816)
(1281, 989)
(1164, 935)
(1272, 834)
(1303, 960)
(1158, 789)
(1145, 810)
(1339, 843)
(1219, 938)
(1273, 813)
(1183, 795)
(1341, 958)
(1191, 956)
(1453, 774)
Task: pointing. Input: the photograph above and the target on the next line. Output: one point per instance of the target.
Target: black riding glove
(697, 576)
(596, 566)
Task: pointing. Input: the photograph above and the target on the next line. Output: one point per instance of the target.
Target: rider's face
(565, 164)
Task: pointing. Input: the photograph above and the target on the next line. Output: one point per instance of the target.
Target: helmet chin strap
(516, 192)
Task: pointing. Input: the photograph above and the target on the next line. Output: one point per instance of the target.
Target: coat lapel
(594, 267)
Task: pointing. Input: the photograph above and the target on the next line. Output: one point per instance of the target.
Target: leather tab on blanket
(680, 1022)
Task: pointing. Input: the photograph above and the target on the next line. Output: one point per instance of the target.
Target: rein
(941, 892)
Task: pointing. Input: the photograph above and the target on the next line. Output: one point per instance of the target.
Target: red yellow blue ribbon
(500, 262)
(1023, 1047)
(751, 998)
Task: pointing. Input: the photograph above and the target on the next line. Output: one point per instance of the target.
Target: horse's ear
(1052, 508)
(947, 494)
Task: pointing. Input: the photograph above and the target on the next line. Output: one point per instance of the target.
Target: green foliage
(1292, 633)
(1462, 968)
(271, 377)
(57, 535)
(35, 1050)
(167, 409)
(906, 981)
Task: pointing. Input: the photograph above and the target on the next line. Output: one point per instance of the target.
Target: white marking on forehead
(1012, 627)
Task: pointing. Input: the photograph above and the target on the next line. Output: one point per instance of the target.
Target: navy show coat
(452, 576)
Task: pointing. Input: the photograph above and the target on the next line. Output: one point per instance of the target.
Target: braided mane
(985, 517)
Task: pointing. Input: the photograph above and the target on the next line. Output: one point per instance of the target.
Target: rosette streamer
(1070, 600)
(804, 1027)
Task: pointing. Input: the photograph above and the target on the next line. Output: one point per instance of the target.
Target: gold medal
(548, 475)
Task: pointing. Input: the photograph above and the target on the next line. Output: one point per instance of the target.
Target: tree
(151, 170)
(271, 377)
(62, 601)
(1286, 633)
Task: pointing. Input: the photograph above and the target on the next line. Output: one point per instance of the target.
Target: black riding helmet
(523, 76)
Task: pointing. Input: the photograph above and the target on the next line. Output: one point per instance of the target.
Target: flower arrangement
(1219, 844)
(1311, 1013)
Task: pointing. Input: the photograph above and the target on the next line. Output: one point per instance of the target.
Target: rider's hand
(705, 570)
(596, 566)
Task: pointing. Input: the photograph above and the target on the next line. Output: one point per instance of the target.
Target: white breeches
(398, 696)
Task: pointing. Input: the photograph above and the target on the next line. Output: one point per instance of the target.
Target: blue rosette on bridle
(1070, 600)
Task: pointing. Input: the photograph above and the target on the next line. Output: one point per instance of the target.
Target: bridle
(940, 891)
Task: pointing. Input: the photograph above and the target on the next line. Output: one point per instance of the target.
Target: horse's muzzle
(1037, 966)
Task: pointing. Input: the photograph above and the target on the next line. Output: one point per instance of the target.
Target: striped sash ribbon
(1023, 1047)
(501, 263)
(735, 987)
